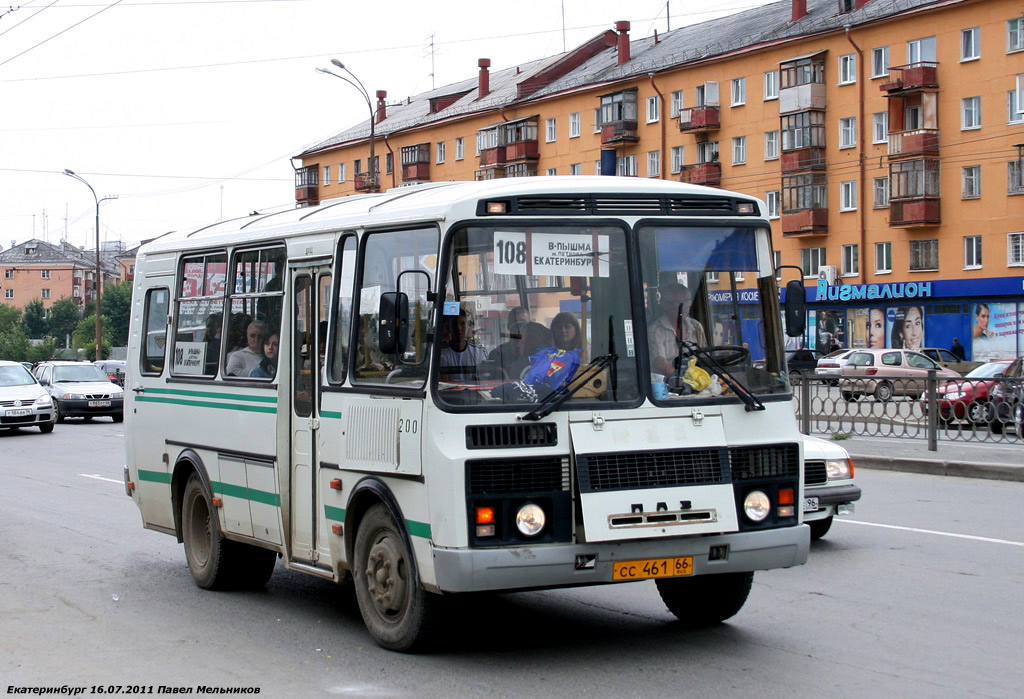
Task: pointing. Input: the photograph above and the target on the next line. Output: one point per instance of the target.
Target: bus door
(311, 293)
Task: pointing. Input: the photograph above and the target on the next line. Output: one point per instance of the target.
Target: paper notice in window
(551, 254)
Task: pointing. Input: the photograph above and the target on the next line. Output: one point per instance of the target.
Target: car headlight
(530, 519)
(838, 469)
(756, 505)
(44, 399)
(74, 396)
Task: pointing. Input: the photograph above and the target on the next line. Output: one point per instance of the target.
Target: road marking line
(931, 531)
(100, 478)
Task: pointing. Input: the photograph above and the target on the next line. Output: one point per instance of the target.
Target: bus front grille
(510, 476)
(538, 434)
(758, 462)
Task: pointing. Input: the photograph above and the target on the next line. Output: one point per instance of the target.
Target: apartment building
(36, 269)
(886, 136)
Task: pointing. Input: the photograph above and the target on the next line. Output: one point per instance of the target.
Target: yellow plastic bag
(695, 377)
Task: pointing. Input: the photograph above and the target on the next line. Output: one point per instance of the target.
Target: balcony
(521, 170)
(699, 119)
(416, 172)
(619, 132)
(522, 150)
(709, 174)
(914, 212)
(489, 173)
(307, 185)
(917, 142)
(308, 195)
(363, 182)
(804, 222)
(913, 76)
(799, 159)
(492, 156)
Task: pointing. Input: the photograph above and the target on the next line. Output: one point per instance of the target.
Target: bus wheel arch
(187, 463)
(368, 492)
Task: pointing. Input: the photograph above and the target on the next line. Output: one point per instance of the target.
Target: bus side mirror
(796, 308)
(393, 320)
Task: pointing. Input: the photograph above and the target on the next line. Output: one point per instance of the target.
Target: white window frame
(972, 252)
(707, 94)
(739, 92)
(653, 109)
(678, 159)
(771, 85)
(550, 130)
(880, 193)
(625, 166)
(44, 274)
(1015, 249)
(44, 293)
(848, 69)
(654, 163)
(711, 277)
(551, 171)
(771, 145)
(970, 44)
(848, 132)
(341, 172)
(460, 148)
(1014, 35)
(880, 62)
(777, 263)
(970, 113)
(739, 150)
(921, 50)
(1014, 183)
(883, 257)
(576, 169)
(773, 200)
(812, 260)
(597, 121)
(327, 175)
(597, 167)
(851, 260)
(848, 195)
(880, 127)
(970, 182)
(677, 104)
(574, 125)
(1014, 113)
(440, 153)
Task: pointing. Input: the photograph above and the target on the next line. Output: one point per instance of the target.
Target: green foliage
(33, 320)
(64, 317)
(84, 337)
(840, 436)
(14, 345)
(10, 318)
(117, 311)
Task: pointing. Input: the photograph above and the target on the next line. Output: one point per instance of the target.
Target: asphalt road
(915, 595)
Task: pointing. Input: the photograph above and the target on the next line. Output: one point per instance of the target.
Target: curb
(937, 467)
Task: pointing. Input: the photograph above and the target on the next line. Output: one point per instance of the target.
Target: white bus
(472, 386)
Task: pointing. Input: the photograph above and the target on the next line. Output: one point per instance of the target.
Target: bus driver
(667, 330)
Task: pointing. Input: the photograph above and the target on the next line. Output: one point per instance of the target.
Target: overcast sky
(189, 110)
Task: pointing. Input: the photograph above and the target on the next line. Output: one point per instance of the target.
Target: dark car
(81, 389)
(1006, 400)
(803, 360)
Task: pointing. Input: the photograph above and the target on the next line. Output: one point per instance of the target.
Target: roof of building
(692, 44)
(39, 252)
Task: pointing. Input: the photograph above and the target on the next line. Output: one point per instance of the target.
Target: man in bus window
(675, 324)
(242, 362)
(460, 357)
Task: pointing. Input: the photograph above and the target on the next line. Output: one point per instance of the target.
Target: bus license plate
(19, 413)
(99, 404)
(652, 568)
(810, 504)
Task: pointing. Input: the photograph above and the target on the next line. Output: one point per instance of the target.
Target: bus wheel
(394, 606)
(819, 527)
(204, 545)
(706, 599)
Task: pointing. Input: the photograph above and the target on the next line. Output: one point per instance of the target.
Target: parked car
(829, 490)
(884, 373)
(81, 389)
(802, 360)
(1006, 400)
(832, 364)
(114, 369)
(23, 402)
(949, 360)
(968, 398)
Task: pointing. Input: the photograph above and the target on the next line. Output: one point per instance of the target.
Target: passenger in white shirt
(242, 362)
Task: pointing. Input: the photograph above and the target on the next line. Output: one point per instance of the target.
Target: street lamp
(369, 104)
(99, 272)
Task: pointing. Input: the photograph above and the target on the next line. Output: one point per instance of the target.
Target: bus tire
(394, 606)
(206, 550)
(819, 527)
(706, 599)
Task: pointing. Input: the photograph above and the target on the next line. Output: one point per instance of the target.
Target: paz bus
(472, 386)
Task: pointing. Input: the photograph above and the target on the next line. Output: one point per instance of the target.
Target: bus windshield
(532, 310)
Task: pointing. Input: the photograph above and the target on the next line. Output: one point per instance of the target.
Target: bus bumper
(565, 565)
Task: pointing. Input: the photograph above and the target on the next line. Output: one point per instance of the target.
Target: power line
(54, 36)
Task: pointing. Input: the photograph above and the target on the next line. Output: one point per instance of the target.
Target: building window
(804, 191)
(8, 274)
(597, 121)
(848, 195)
(970, 113)
(1014, 111)
(678, 159)
(1015, 249)
(1014, 35)
(880, 127)
(802, 71)
(739, 150)
(677, 103)
(653, 163)
(574, 125)
(440, 152)
(771, 85)
(970, 44)
(972, 252)
(131, 269)
(881, 193)
(913, 179)
(8, 293)
(921, 50)
(597, 167)
(851, 260)
(327, 174)
(739, 91)
(711, 277)
(772, 200)
(460, 148)
(44, 274)
(44, 293)
(626, 166)
(803, 130)
(924, 254)
(848, 132)
(576, 169)
(707, 94)
(771, 145)
(971, 180)
(550, 130)
(848, 69)
(880, 62)
(811, 261)
(357, 167)
(883, 258)
(777, 261)
(653, 109)
(707, 152)
(551, 171)
(618, 107)
(341, 172)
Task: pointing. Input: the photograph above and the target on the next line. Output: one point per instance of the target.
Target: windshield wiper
(707, 358)
(560, 395)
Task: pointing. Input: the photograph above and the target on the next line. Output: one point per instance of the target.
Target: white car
(832, 364)
(829, 490)
(23, 402)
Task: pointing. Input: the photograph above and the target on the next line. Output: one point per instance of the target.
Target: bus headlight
(530, 519)
(756, 505)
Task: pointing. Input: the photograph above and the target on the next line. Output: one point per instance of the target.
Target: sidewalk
(1002, 461)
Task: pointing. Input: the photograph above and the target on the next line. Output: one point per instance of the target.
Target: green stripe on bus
(154, 476)
(331, 413)
(211, 394)
(336, 514)
(205, 404)
(420, 529)
(240, 491)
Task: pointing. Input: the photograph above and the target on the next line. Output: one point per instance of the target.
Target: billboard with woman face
(906, 327)
(994, 331)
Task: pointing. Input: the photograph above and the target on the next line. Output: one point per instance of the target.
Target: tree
(14, 345)
(84, 337)
(117, 310)
(10, 318)
(64, 317)
(33, 319)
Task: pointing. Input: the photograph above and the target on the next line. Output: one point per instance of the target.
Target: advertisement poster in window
(905, 325)
(857, 326)
(994, 331)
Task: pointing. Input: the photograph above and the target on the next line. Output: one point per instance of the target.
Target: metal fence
(968, 410)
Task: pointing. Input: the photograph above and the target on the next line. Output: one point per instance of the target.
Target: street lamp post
(369, 104)
(99, 272)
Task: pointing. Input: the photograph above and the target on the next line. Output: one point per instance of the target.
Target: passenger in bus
(509, 353)
(241, 362)
(211, 336)
(460, 357)
(267, 368)
(554, 366)
(673, 326)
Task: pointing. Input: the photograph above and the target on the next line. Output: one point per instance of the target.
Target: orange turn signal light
(786, 496)
(485, 515)
(216, 502)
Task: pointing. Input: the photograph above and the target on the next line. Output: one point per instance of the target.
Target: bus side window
(256, 299)
(152, 357)
(343, 309)
(200, 303)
